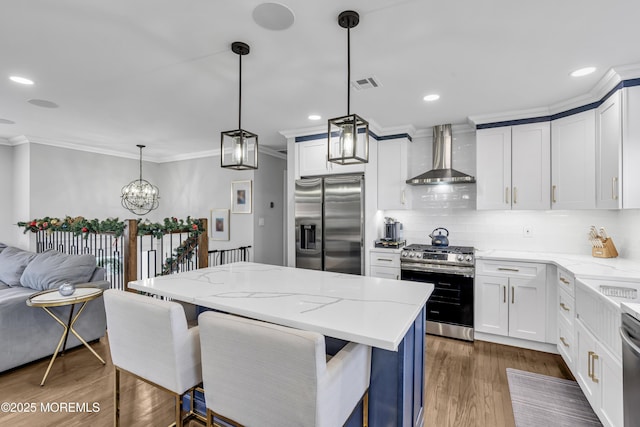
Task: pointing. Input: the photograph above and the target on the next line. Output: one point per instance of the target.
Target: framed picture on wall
(220, 224)
(241, 197)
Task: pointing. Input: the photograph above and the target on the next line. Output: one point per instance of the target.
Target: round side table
(52, 298)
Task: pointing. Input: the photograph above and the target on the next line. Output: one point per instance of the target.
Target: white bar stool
(261, 374)
(149, 339)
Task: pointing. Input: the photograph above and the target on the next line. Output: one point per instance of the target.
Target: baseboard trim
(517, 342)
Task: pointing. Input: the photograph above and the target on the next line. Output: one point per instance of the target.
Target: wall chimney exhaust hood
(442, 173)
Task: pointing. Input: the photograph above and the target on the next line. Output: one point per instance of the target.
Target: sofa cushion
(2, 246)
(13, 262)
(50, 269)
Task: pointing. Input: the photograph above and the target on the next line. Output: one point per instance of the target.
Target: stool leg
(116, 403)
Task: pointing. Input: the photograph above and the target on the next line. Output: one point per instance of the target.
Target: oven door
(450, 307)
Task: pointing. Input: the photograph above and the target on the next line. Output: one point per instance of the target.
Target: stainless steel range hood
(442, 173)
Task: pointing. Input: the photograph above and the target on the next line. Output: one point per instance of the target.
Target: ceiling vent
(366, 83)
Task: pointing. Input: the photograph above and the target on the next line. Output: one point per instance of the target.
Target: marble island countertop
(582, 266)
(368, 310)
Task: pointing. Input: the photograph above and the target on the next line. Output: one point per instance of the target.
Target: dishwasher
(630, 332)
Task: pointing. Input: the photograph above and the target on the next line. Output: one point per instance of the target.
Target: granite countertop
(362, 309)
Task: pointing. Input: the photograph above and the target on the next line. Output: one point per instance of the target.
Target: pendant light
(238, 147)
(348, 135)
(139, 196)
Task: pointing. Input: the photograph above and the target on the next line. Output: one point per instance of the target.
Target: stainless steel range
(451, 269)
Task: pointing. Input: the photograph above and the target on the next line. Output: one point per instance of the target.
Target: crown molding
(70, 145)
(455, 129)
(608, 82)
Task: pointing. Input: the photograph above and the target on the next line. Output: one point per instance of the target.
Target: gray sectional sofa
(29, 333)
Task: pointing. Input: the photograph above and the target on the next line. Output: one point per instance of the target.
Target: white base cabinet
(599, 374)
(566, 313)
(510, 299)
(384, 263)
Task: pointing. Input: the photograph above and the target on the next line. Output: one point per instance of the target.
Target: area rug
(540, 400)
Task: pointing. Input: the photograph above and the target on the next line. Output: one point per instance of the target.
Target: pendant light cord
(240, 97)
(140, 163)
(348, 70)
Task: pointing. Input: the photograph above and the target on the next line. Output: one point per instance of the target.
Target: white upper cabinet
(312, 160)
(609, 153)
(573, 163)
(514, 167)
(393, 191)
(493, 168)
(631, 147)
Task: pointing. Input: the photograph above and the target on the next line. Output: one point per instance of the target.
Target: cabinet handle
(553, 193)
(614, 188)
(402, 198)
(564, 307)
(563, 280)
(507, 269)
(385, 259)
(591, 353)
(564, 342)
(506, 195)
(515, 195)
(513, 295)
(397, 277)
(504, 294)
(594, 357)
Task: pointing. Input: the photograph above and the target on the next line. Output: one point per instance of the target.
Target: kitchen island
(386, 314)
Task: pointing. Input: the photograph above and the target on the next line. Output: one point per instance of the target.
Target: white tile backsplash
(552, 231)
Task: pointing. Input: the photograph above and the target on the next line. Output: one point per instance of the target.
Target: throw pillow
(13, 262)
(50, 269)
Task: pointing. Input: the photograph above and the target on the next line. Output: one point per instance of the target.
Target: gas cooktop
(440, 249)
(428, 254)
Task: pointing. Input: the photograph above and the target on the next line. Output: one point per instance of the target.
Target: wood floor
(466, 385)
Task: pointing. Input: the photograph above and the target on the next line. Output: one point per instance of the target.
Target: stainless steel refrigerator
(330, 223)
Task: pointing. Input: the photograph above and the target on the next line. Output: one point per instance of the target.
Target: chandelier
(139, 196)
(348, 135)
(238, 147)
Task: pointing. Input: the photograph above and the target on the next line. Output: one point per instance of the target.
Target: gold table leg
(67, 328)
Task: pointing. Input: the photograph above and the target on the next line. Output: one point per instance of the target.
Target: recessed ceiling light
(314, 117)
(21, 80)
(43, 103)
(583, 72)
(432, 97)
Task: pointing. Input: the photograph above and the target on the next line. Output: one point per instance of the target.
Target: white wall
(268, 188)
(7, 229)
(42, 180)
(79, 183)
(194, 187)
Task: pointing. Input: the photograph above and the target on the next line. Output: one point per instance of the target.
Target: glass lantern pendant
(238, 147)
(139, 196)
(348, 135)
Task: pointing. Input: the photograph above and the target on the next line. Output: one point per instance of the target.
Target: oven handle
(443, 270)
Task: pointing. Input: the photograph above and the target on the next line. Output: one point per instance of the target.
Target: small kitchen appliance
(393, 235)
(439, 239)
(393, 230)
(451, 269)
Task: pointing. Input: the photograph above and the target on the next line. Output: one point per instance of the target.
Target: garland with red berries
(81, 226)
